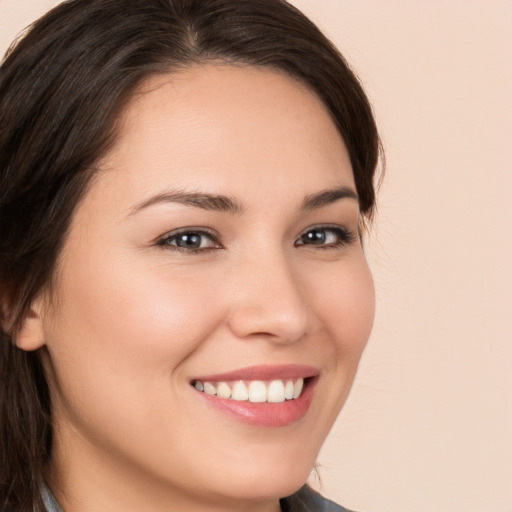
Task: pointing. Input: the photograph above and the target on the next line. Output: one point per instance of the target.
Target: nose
(268, 300)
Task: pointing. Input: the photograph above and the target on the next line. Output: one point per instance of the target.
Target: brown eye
(315, 236)
(325, 237)
(189, 241)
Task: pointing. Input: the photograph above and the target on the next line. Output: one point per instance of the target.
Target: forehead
(212, 124)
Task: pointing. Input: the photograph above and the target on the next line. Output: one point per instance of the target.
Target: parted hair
(63, 86)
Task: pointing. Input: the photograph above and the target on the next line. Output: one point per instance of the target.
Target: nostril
(274, 322)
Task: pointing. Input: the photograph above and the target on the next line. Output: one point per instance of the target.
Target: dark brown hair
(62, 88)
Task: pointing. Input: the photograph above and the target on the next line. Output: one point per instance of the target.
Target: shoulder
(307, 500)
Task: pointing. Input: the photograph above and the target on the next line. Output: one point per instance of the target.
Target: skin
(130, 322)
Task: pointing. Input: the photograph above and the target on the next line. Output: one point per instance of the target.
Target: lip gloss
(263, 414)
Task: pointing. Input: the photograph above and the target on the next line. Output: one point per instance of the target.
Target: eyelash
(343, 236)
(171, 237)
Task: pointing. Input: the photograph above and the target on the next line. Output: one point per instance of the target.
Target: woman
(185, 297)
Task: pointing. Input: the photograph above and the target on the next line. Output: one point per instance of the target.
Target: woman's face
(216, 250)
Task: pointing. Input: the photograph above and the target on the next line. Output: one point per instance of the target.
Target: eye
(190, 240)
(326, 237)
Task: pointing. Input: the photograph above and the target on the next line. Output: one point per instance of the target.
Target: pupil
(189, 241)
(315, 237)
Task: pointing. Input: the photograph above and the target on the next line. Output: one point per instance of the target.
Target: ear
(31, 335)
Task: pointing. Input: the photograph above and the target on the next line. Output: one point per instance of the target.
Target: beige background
(428, 426)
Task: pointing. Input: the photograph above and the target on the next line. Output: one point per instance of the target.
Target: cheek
(148, 310)
(341, 296)
(122, 331)
(346, 307)
(119, 343)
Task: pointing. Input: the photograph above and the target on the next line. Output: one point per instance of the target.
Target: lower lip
(265, 414)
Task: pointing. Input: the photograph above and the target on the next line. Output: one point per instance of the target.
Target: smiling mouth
(254, 391)
(261, 396)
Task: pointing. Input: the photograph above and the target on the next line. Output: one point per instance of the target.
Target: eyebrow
(326, 197)
(212, 202)
(222, 203)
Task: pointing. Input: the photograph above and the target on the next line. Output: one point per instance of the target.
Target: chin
(265, 487)
(275, 476)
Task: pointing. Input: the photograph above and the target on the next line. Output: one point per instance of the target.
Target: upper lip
(263, 372)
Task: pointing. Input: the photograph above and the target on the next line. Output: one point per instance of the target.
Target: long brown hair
(62, 88)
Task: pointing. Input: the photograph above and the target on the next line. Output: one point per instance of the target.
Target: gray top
(304, 500)
(307, 500)
(49, 501)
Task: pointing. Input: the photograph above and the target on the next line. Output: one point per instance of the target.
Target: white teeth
(276, 391)
(256, 391)
(297, 388)
(223, 390)
(288, 390)
(210, 389)
(240, 392)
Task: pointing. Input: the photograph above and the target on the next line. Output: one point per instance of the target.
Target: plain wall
(428, 426)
